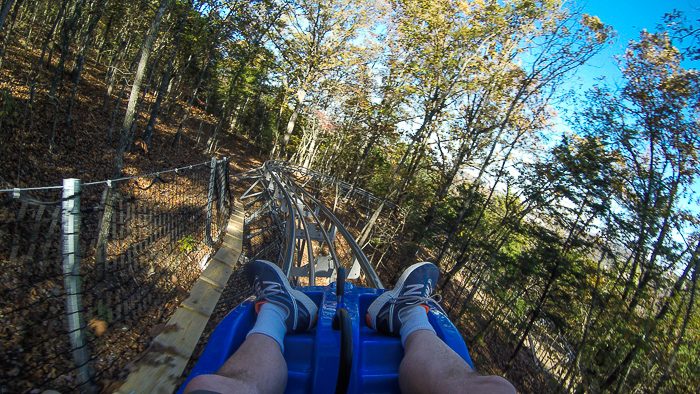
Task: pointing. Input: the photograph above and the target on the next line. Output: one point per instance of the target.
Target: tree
(503, 112)
(4, 11)
(651, 126)
(136, 87)
(317, 40)
(165, 80)
(95, 15)
(246, 62)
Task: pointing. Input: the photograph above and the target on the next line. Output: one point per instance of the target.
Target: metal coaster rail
(302, 216)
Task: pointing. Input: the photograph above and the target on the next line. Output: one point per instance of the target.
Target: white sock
(270, 322)
(412, 319)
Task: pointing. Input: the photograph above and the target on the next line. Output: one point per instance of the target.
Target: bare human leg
(430, 366)
(257, 367)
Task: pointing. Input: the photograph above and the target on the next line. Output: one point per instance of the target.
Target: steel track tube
(331, 247)
(372, 276)
(359, 255)
(310, 251)
(290, 227)
(245, 194)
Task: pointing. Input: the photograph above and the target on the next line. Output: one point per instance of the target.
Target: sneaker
(413, 288)
(271, 285)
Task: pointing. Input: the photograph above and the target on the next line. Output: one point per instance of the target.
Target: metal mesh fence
(263, 237)
(32, 294)
(493, 320)
(90, 275)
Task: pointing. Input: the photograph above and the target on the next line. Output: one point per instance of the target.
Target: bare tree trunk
(132, 131)
(69, 28)
(121, 94)
(178, 135)
(101, 45)
(31, 26)
(332, 159)
(201, 122)
(487, 162)
(78, 69)
(625, 366)
(112, 72)
(450, 235)
(4, 11)
(237, 115)
(18, 5)
(365, 154)
(136, 88)
(311, 146)
(534, 314)
(254, 116)
(49, 37)
(276, 131)
(174, 86)
(587, 324)
(657, 249)
(688, 314)
(301, 94)
(148, 134)
(116, 110)
(463, 155)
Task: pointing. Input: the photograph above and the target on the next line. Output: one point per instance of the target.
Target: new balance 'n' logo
(414, 290)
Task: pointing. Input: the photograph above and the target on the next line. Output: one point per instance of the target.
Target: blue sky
(628, 18)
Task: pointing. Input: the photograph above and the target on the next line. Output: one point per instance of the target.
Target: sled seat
(313, 357)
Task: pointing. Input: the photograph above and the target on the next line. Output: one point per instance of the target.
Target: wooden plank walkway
(158, 369)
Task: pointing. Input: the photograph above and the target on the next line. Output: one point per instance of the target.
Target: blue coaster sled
(319, 361)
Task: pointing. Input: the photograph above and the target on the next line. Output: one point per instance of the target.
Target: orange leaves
(98, 327)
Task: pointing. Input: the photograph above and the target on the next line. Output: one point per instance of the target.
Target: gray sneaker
(413, 288)
(271, 285)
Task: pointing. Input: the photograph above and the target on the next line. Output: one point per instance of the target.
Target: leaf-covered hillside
(577, 252)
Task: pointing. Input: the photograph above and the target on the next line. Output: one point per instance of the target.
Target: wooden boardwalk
(158, 369)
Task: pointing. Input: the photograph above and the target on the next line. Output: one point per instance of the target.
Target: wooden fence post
(71, 277)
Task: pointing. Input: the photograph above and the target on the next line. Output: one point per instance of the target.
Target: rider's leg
(430, 366)
(256, 367)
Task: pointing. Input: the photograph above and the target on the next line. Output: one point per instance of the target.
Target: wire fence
(263, 237)
(90, 272)
(494, 319)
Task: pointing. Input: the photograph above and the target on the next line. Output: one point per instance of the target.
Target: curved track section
(289, 222)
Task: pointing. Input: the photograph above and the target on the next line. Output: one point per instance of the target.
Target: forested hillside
(588, 238)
